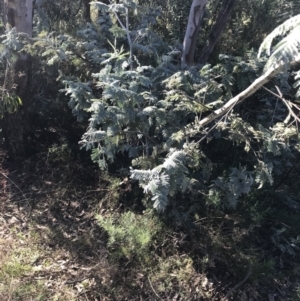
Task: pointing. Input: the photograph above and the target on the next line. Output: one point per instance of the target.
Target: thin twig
(154, 289)
(126, 28)
(129, 40)
(211, 129)
(6, 177)
(239, 284)
(78, 280)
(294, 166)
(287, 103)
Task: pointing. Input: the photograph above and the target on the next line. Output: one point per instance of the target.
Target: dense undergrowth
(155, 205)
(69, 236)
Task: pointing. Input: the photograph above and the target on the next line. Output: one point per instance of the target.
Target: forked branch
(257, 84)
(287, 103)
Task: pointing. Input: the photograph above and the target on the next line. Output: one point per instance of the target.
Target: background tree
(216, 30)
(192, 31)
(17, 15)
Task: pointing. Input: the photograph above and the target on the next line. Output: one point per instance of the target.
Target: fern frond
(281, 30)
(286, 50)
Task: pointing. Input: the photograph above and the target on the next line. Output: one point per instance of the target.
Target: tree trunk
(217, 30)
(18, 14)
(87, 10)
(192, 31)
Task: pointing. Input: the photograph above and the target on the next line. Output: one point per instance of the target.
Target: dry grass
(50, 245)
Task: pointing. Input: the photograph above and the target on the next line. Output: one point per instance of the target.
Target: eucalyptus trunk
(87, 10)
(192, 31)
(217, 30)
(18, 15)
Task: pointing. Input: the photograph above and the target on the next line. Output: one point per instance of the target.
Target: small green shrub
(59, 153)
(176, 275)
(130, 234)
(14, 269)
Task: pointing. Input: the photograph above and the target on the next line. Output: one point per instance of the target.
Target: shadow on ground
(52, 248)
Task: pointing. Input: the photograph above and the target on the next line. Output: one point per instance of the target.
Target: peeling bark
(192, 31)
(217, 30)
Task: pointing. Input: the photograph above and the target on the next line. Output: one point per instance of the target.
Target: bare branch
(287, 103)
(257, 84)
(126, 28)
